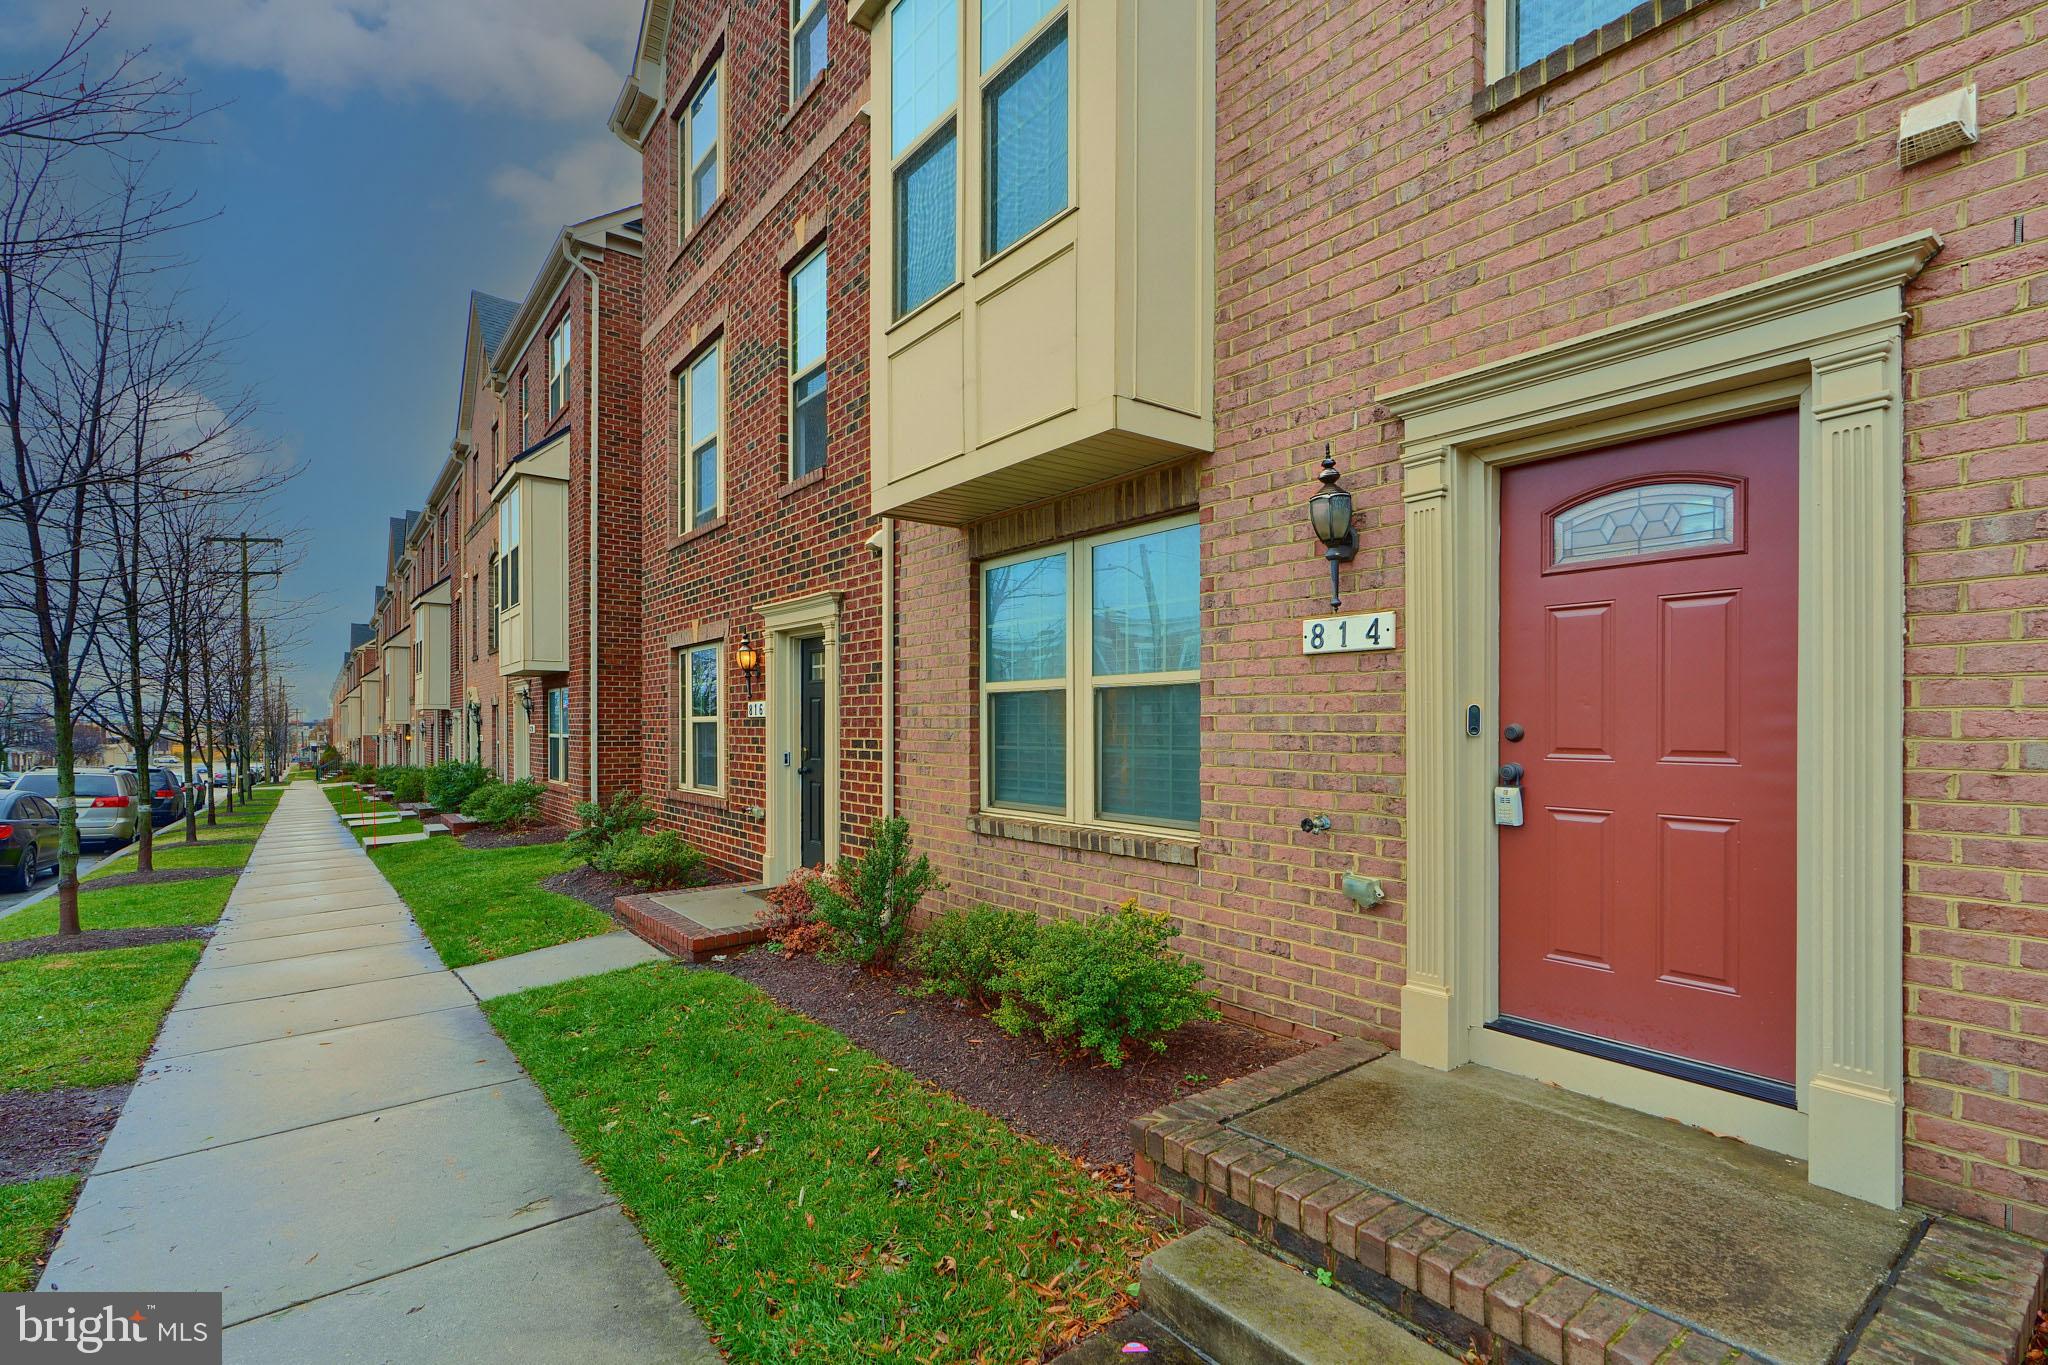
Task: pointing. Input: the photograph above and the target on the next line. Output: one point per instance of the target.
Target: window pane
(704, 121)
(807, 314)
(704, 483)
(807, 55)
(924, 59)
(1543, 26)
(807, 424)
(1025, 606)
(704, 754)
(924, 222)
(1003, 22)
(1649, 519)
(704, 682)
(1148, 752)
(703, 404)
(1028, 749)
(1027, 140)
(1147, 598)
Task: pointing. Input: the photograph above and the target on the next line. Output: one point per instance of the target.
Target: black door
(810, 773)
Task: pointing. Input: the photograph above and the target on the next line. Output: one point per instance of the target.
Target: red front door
(1649, 646)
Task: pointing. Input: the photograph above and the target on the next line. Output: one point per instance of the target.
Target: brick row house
(1653, 704)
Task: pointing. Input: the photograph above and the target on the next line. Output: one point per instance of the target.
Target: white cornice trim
(1889, 264)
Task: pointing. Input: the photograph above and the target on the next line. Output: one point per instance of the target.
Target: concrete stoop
(1522, 1224)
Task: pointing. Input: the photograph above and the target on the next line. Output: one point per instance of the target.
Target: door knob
(1513, 734)
(1511, 774)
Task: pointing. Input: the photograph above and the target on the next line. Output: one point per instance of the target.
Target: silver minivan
(106, 802)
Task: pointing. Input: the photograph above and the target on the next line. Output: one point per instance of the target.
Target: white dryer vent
(1939, 125)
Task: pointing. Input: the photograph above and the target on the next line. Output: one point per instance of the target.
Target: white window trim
(558, 367)
(1080, 683)
(800, 12)
(796, 376)
(994, 74)
(686, 485)
(686, 765)
(690, 215)
(553, 735)
(948, 118)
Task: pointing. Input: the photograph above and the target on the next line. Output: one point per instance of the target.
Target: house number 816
(1348, 634)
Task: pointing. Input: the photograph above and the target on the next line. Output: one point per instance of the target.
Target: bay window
(1024, 117)
(1091, 683)
(697, 432)
(924, 76)
(508, 550)
(807, 366)
(700, 686)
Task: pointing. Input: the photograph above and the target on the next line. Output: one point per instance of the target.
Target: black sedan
(166, 794)
(28, 839)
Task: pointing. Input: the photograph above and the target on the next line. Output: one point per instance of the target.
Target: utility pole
(248, 661)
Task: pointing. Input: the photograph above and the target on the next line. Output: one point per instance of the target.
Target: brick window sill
(1120, 843)
(677, 542)
(690, 796)
(1517, 86)
(801, 482)
(698, 228)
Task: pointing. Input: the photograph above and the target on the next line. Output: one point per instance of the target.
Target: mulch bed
(93, 940)
(594, 888)
(45, 1133)
(1079, 1106)
(512, 838)
(161, 874)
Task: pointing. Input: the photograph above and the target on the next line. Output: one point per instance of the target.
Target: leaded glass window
(1646, 519)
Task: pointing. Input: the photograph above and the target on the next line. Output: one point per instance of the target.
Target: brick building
(758, 544)
(1648, 251)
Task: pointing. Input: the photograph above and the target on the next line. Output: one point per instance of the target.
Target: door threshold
(1743, 1083)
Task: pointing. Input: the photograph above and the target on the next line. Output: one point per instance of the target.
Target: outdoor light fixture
(746, 657)
(526, 700)
(1330, 513)
(476, 714)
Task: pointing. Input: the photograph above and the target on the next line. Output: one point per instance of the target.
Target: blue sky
(377, 159)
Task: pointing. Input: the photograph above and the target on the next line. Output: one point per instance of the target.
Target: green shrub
(330, 760)
(363, 774)
(450, 783)
(599, 827)
(868, 902)
(504, 804)
(1097, 984)
(404, 781)
(659, 861)
(963, 952)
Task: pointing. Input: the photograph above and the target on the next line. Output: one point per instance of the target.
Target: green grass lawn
(350, 801)
(125, 907)
(813, 1201)
(409, 825)
(29, 1216)
(80, 1019)
(477, 904)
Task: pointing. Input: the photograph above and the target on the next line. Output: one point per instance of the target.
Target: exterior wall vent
(1939, 125)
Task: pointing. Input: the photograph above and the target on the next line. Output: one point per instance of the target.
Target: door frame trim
(782, 625)
(1824, 340)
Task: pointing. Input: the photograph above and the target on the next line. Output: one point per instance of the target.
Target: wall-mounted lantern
(746, 658)
(1330, 513)
(526, 699)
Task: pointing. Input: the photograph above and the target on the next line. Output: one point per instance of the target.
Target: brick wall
(792, 181)
(1373, 232)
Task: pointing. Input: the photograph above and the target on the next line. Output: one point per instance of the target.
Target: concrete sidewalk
(329, 1132)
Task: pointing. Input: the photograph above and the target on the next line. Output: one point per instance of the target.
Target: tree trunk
(67, 814)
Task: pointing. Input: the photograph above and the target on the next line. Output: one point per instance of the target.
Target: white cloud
(543, 58)
(593, 176)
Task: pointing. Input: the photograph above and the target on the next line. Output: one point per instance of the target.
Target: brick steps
(1961, 1294)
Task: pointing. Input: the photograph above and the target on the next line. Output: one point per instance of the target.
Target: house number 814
(1347, 634)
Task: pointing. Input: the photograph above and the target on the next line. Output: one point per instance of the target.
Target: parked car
(199, 791)
(28, 839)
(107, 812)
(166, 793)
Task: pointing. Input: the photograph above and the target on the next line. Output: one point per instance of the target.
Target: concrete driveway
(329, 1133)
